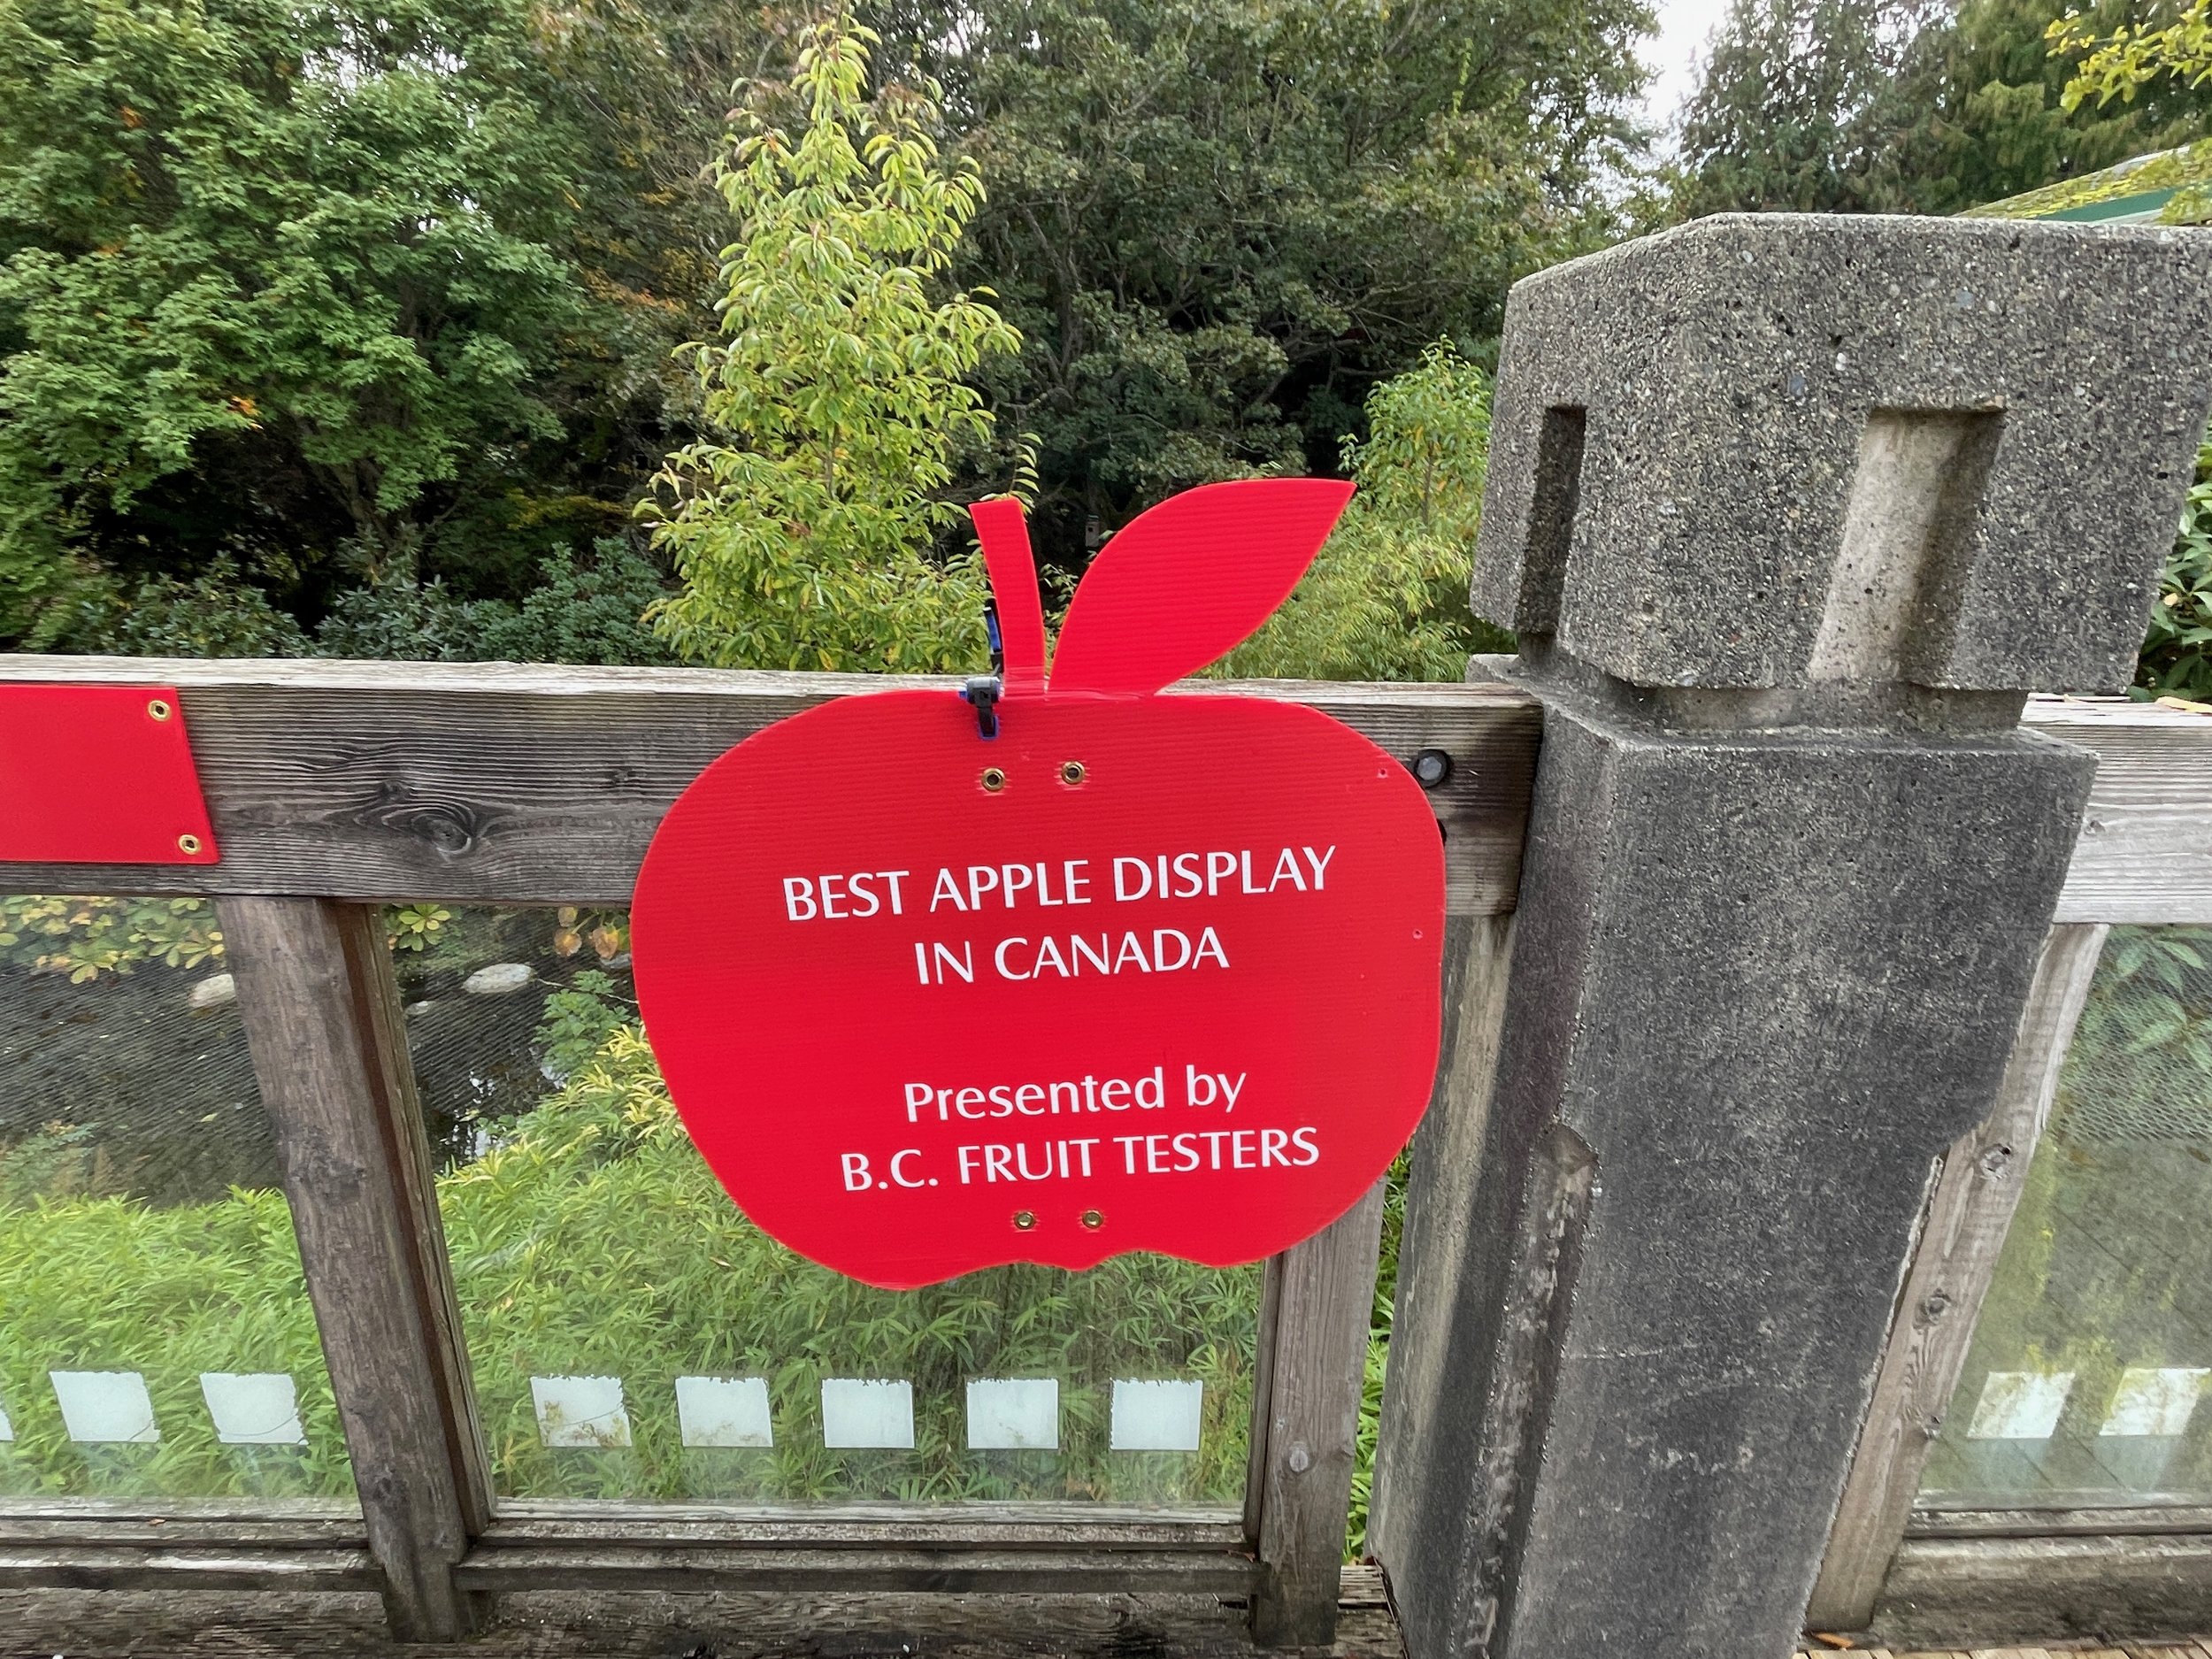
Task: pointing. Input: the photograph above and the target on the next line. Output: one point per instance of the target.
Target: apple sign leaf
(1109, 971)
(1185, 581)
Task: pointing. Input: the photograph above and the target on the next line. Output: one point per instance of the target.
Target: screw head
(187, 844)
(1071, 772)
(160, 710)
(1094, 1220)
(993, 779)
(1431, 768)
(1025, 1219)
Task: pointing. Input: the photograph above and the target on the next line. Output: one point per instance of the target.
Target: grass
(595, 1241)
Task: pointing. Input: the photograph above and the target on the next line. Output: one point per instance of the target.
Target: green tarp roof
(2173, 186)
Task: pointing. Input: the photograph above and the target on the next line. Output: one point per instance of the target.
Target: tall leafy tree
(299, 290)
(1218, 224)
(838, 396)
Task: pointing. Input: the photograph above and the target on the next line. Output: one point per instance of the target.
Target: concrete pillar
(1789, 513)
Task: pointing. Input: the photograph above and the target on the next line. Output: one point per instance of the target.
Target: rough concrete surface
(1724, 384)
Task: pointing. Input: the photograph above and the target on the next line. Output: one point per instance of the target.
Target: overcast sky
(1684, 26)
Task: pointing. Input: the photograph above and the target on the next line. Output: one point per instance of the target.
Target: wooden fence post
(1321, 1295)
(1967, 1216)
(322, 1017)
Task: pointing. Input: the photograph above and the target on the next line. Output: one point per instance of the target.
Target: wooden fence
(337, 788)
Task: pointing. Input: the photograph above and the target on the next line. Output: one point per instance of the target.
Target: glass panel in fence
(2083, 1385)
(156, 1338)
(632, 1335)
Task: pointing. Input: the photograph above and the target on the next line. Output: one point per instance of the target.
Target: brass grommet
(187, 844)
(160, 710)
(1094, 1220)
(1071, 772)
(1025, 1219)
(993, 779)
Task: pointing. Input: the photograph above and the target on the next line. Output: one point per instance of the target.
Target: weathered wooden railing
(338, 787)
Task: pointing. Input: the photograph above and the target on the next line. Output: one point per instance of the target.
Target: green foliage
(2121, 64)
(1219, 226)
(307, 292)
(841, 390)
(93, 1283)
(1901, 106)
(215, 613)
(579, 1020)
(1386, 596)
(1786, 115)
(2177, 659)
(596, 1241)
(86, 937)
(579, 611)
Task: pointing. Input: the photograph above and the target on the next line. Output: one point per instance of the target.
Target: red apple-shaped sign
(1138, 973)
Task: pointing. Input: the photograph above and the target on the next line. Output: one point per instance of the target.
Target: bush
(1386, 596)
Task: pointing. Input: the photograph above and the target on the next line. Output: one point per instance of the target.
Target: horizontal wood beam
(504, 783)
(983, 1526)
(85, 1566)
(501, 783)
(493, 1567)
(2145, 849)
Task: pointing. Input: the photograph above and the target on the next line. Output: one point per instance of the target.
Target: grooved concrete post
(1790, 513)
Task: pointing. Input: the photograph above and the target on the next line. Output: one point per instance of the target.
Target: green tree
(1219, 226)
(295, 293)
(1386, 596)
(1902, 106)
(2122, 64)
(839, 395)
(1787, 112)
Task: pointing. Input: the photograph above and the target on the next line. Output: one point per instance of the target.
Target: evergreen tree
(1904, 106)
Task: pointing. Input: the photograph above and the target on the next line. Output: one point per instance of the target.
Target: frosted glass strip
(585, 1411)
(724, 1411)
(858, 1412)
(2154, 1400)
(2020, 1405)
(253, 1407)
(1014, 1414)
(1156, 1417)
(105, 1407)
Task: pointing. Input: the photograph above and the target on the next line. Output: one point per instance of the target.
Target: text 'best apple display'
(1138, 973)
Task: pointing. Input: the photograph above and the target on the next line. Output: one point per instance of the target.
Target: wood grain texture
(1961, 1237)
(1440, 1189)
(2145, 849)
(600, 1624)
(495, 782)
(1325, 1294)
(870, 1566)
(245, 1528)
(1008, 1525)
(2115, 1520)
(86, 1566)
(322, 1018)
(2051, 1591)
